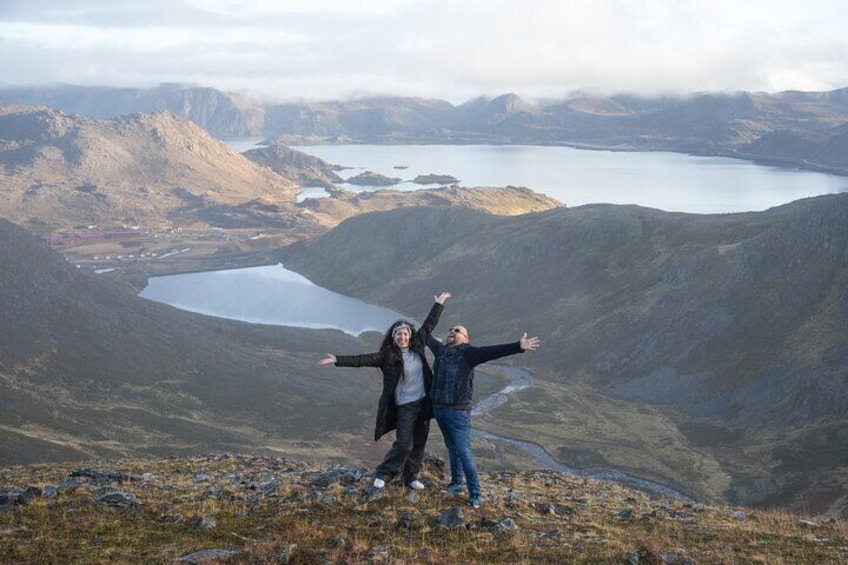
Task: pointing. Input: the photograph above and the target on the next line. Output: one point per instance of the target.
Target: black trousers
(407, 452)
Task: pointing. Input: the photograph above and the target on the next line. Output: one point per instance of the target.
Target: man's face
(402, 338)
(457, 335)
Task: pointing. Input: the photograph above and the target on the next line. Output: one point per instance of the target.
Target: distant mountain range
(804, 129)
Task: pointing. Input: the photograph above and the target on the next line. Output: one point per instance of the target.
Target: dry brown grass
(559, 519)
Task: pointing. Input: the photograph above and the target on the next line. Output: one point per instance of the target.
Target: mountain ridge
(707, 123)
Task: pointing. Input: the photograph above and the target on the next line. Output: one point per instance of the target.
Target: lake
(668, 181)
(268, 295)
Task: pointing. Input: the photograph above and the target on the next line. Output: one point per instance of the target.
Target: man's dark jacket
(390, 362)
(453, 383)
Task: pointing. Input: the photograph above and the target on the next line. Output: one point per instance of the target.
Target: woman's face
(402, 338)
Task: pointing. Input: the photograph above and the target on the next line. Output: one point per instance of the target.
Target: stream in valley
(522, 379)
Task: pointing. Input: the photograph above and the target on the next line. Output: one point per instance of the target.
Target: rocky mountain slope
(234, 508)
(88, 369)
(299, 167)
(727, 334)
(154, 169)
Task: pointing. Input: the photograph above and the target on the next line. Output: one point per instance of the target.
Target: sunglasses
(458, 330)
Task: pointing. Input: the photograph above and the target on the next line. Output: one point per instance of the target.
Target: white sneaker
(379, 483)
(416, 485)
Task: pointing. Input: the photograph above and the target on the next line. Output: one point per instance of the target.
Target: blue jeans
(456, 429)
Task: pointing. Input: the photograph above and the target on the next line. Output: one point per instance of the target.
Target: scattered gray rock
(207, 555)
(371, 494)
(69, 483)
(506, 525)
(739, 515)
(337, 542)
(102, 477)
(380, 551)
(341, 475)
(120, 499)
(451, 518)
(204, 523)
(555, 509)
(19, 496)
(285, 556)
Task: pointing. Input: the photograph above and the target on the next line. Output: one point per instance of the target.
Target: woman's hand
(440, 299)
(330, 359)
(529, 343)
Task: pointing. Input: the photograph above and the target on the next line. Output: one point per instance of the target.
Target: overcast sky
(447, 49)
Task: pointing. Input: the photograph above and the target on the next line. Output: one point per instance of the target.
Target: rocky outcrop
(227, 506)
(62, 171)
(303, 169)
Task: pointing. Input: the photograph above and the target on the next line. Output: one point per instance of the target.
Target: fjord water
(668, 181)
(269, 295)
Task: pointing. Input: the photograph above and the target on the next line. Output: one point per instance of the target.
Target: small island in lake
(369, 178)
(435, 179)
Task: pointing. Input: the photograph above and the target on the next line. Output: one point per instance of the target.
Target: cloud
(430, 48)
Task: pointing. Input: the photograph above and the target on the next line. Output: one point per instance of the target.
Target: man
(451, 392)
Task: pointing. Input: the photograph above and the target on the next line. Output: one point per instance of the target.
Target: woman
(404, 405)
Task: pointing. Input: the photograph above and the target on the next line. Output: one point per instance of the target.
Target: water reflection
(268, 295)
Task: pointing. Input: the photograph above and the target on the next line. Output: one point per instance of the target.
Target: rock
(101, 477)
(285, 556)
(19, 496)
(204, 523)
(337, 542)
(451, 518)
(341, 475)
(208, 556)
(120, 499)
(625, 515)
(506, 525)
(378, 552)
(371, 494)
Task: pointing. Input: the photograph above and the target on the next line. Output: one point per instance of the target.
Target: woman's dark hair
(388, 338)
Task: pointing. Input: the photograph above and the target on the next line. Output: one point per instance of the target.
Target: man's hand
(330, 359)
(530, 344)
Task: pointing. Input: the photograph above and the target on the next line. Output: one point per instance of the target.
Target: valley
(705, 351)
